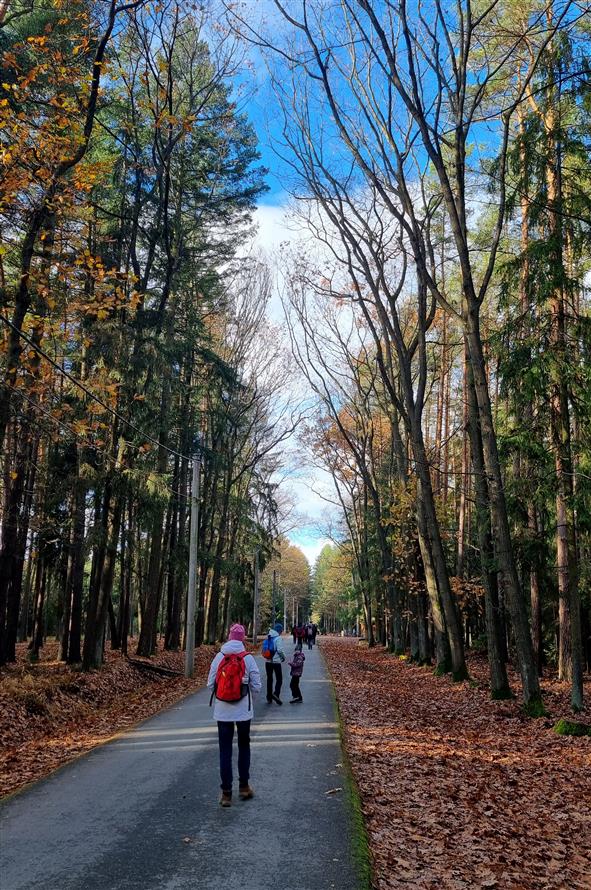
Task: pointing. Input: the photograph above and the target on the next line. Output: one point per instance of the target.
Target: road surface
(142, 812)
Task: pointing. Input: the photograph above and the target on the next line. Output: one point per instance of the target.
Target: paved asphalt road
(142, 812)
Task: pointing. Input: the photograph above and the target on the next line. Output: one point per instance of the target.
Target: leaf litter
(51, 712)
(459, 791)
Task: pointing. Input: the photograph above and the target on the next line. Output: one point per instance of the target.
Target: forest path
(142, 812)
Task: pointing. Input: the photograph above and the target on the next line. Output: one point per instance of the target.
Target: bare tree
(407, 91)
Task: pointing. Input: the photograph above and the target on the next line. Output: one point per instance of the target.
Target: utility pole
(255, 611)
(273, 596)
(284, 609)
(191, 593)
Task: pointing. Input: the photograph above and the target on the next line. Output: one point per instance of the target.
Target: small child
(297, 669)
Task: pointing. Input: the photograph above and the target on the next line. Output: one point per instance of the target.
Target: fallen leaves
(459, 791)
(51, 713)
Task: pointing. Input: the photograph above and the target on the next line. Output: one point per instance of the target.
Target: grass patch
(359, 838)
(572, 727)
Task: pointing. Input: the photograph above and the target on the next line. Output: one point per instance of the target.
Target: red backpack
(230, 680)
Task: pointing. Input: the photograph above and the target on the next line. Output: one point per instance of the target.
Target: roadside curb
(360, 849)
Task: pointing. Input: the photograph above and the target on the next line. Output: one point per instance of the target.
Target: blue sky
(273, 229)
(264, 116)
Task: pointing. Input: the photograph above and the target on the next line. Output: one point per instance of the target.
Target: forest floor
(51, 713)
(459, 791)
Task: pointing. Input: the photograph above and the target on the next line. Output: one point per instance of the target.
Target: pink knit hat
(237, 632)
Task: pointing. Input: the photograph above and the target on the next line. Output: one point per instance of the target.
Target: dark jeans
(226, 736)
(294, 685)
(273, 671)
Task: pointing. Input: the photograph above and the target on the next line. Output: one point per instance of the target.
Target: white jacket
(235, 710)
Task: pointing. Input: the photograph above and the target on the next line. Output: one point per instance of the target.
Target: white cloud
(310, 487)
(312, 550)
(273, 226)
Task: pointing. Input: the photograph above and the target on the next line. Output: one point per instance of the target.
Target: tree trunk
(40, 593)
(23, 626)
(76, 579)
(535, 596)
(147, 640)
(75, 574)
(214, 598)
(114, 626)
(436, 575)
(499, 682)
(503, 543)
(172, 633)
(92, 630)
(570, 641)
(93, 653)
(465, 478)
(9, 594)
(125, 568)
(423, 631)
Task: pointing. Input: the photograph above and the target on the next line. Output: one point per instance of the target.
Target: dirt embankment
(50, 713)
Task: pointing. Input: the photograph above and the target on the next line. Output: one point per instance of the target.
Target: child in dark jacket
(297, 669)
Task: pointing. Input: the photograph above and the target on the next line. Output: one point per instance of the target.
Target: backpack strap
(243, 656)
(215, 685)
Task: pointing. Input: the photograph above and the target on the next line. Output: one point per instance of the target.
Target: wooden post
(191, 592)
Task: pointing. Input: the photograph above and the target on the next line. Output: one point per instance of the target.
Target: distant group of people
(304, 633)
(234, 678)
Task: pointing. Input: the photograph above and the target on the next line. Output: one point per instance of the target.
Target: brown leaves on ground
(50, 713)
(459, 791)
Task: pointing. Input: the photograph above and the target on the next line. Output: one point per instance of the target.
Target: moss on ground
(535, 708)
(572, 727)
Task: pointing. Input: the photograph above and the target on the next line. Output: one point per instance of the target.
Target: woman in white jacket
(239, 712)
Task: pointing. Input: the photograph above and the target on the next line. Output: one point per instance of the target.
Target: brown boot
(226, 799)
(245, 792)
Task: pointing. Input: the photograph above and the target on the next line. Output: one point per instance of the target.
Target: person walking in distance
(297, 669)
(309, 634)
(274, 656)
(299, 636)
(234, 678)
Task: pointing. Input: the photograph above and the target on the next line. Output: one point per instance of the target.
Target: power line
(89, 393)
(60, 423)
(86, 443)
